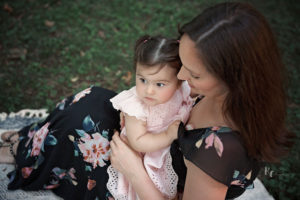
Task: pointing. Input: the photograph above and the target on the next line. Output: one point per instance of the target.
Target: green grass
(52, 49)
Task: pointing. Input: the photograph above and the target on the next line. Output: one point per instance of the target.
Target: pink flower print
(213, 139)
(209, 140)
(237, 182)
(81, 94)
(49, 187)
(215, 128)
(62, 175)
(30, 135)
(91, 184)
(95, 150)
(26, 171)
(71, 172)
(218, 145)
(61, 102)
(38, 139)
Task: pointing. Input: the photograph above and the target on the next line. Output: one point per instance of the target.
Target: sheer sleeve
(219, 152)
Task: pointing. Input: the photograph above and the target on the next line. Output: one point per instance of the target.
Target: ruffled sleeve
(187, 102)
(128, 102)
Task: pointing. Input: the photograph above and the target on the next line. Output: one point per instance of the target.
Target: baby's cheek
(167, 95)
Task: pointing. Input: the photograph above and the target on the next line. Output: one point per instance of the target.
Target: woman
(230, 59)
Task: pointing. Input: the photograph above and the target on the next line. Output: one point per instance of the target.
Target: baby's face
(155, 85)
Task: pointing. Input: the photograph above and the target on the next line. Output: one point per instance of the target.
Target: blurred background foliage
(50, 49)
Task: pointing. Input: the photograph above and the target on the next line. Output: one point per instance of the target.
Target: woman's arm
(199, 185)
(129, 163)
(142, 141)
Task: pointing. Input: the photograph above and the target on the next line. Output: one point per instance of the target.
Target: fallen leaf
(15, 53)
(118, 73)
(20, 17)
(74, 79)
(82, 53)
(101, 34)
(7, 8)
(293, 105)
(49, 23)
(115, 29)
(127, 77)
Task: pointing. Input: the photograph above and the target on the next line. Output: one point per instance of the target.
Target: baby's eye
(143, 80)
(160, 84)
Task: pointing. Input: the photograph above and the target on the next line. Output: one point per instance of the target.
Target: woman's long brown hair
(237, 46)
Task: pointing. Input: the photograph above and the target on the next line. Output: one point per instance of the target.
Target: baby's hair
(157, 50)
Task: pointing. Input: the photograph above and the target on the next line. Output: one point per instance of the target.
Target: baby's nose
(150, 89)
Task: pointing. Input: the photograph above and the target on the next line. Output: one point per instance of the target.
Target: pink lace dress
(157, 164)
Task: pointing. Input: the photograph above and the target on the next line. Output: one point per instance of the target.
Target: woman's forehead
(189, 55)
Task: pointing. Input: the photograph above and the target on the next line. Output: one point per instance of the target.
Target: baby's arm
(142, 141)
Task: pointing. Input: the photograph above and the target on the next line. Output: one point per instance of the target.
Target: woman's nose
(182, 75)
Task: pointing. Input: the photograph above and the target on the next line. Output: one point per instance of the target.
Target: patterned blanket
(15, 121)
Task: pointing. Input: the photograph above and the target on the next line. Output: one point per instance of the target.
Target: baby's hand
(173, 129)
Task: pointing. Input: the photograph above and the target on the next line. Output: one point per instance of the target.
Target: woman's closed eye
(195, 76)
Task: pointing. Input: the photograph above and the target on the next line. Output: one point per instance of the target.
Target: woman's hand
(129, 163)
(173, 129)
(123, 158)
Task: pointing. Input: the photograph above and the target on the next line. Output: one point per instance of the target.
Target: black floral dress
(220, 153)
(68, 152)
